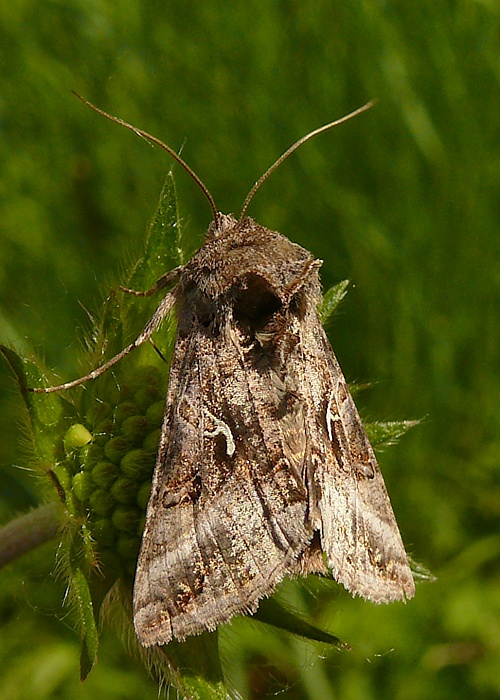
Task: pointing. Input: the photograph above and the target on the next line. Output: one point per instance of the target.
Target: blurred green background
(404, 201)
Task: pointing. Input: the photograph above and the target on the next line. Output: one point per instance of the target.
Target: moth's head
(228, 226)
(223, 225)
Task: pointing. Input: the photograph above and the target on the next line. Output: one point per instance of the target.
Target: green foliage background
(404, 201)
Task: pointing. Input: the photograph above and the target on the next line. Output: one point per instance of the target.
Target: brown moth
(264, 469)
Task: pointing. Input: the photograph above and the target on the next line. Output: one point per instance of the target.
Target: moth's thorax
(235, 252)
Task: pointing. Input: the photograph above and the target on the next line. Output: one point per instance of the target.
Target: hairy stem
(29, 531)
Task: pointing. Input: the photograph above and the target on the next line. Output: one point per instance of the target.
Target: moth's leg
(152, 325)
(165, 280)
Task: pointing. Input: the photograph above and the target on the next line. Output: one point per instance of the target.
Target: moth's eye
(254, 300)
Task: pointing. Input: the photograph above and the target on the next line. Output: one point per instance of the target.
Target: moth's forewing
(227, 517)
(358, 529)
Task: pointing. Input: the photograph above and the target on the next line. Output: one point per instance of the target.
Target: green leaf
(80, 596)
(163, 249)
(331, 300)
(27, 373)
(389, 432)
(271, 612)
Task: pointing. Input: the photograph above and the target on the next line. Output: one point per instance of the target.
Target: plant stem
(29, 531)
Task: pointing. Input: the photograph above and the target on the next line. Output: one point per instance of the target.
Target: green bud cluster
(109, 466)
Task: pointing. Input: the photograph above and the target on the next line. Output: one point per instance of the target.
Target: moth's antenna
(293, 148)
(169, 150)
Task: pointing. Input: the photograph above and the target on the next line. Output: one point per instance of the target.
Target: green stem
(29, 531)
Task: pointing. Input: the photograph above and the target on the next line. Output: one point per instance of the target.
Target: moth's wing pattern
(263, 464)
(227, 517)
(358, 529)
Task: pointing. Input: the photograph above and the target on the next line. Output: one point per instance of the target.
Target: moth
(264, 469)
